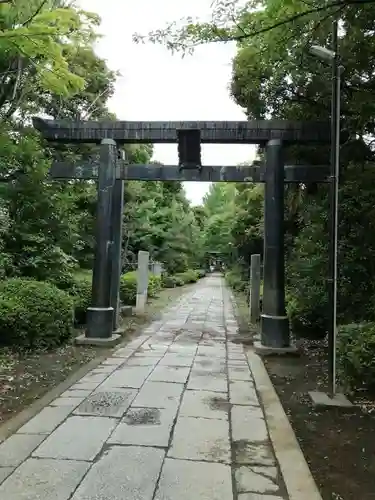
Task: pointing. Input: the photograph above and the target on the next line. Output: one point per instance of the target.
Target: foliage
(34, 314)
(169, 281)
(356, 361)
(128, 288)
(154, 285)
(307, 269)
(189, 276)
(81, 291)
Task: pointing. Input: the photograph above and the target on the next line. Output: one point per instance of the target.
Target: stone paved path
(172, 416)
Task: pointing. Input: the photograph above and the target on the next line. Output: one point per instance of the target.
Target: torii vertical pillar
(275, 336)
(99, 329)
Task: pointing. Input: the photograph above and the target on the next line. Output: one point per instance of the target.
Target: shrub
(81, 291)
(189, 276)
(201, 273)
(128, 288)
(34, 314)
(154, 285)
(169, 281)
(355, 355)
(178, 280)
(235, 281)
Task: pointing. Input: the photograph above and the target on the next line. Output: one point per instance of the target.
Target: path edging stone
(297, 476)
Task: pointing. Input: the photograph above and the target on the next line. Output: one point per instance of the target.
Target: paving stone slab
(236, 356)
(104, 369)
(256, 480)
(46, 420)
(5, 472)
(17, 448)
(205, 404)
(144, 427)
(38, 479)
(176, 360)
(113, 361)
(128, 376)
(143, 361)
(71, 402)
(243, 393)
(239, 373)
(77, 393)
(238, 362)
(182, 350)
(123, 473)
(185, 480)
(159, 395)
(255, 496)
(124, 353)
(246, 453)
(248, 424)
(201, 439)
(208, 382)
(85, 386)
(93, 378)
(176, 374)
(107, 403)
(79, 438)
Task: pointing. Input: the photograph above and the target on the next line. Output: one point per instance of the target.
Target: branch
(37, 11)
(340, 3)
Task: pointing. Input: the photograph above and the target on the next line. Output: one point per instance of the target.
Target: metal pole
(333, 213)
(116, 261)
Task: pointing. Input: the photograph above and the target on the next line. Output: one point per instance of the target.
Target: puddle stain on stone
(143, 416)
(218, 404)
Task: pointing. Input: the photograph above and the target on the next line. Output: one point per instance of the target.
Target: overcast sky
(158, 86)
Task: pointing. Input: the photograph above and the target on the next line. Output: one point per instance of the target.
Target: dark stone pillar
(116, 260)
(100, 314)
(274, 321)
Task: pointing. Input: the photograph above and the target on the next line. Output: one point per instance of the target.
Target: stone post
(254, 299)
(117, 216)
(100, 314)
(157, 269)
(274, 321)
(142, 281)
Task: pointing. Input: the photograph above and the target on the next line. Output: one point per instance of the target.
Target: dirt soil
(25, 377)
(338, 444)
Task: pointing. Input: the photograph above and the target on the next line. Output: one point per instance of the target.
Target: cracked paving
(172, 415)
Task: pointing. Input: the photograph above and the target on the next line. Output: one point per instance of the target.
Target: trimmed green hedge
(81, 291)
(189, 276)
(34, 314)
(154, 285)
(128, 288)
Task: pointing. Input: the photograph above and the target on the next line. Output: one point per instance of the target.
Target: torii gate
(111, 172)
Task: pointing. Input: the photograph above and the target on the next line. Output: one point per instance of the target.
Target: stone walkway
(174, 415)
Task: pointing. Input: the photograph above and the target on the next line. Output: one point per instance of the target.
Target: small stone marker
(255, 288)
(157, 268)
(142, 281)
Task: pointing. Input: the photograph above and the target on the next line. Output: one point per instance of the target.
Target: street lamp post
(333, 57)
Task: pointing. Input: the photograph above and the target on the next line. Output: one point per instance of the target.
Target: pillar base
(264, 350)
(99, 342)
(322, 399)
(141, 302)
(275, 331)
(99, 323)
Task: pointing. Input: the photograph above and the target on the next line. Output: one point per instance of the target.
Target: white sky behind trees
(154, 85)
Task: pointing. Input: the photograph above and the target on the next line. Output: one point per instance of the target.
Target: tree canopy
(49, 68)
(274, 76)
